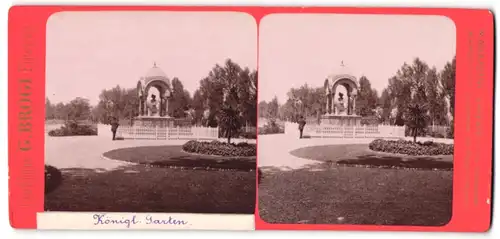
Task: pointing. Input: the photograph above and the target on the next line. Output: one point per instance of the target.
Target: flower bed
(220, 148)
(74, 129)
(411, 148)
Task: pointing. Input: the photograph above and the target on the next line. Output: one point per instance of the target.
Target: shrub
(272, 128)
(53, 178)
(450, 132)
(436, 134)
(420, 133)
(73, 128)
(369, 120)
(411, 148)
(248, 135)
(220, 148)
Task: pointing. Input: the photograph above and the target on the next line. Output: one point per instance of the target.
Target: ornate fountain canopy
(153, 110)
(155, 73)
(342, 75)
(340, 108)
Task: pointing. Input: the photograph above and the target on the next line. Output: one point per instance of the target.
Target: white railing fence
(330, 131)
(172, 133)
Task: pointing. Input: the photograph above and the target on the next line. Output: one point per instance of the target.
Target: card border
(473, 128)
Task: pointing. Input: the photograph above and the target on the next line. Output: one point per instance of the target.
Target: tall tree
(116, 102)
(385, 104)
(407, 87)
(272, 108)
(366, 100)
(79, 109)
(61, 111)
(435, 98)
(263, 106)
(180, 101)
(447, 77)
(199, 105)
(303, 101)
(229, 85)
(49, 109)
(417, 77)
(247, 96)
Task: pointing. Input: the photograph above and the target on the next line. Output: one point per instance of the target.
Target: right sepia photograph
(355, 119)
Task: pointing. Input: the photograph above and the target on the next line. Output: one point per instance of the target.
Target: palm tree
(229, 122)
(416, 119)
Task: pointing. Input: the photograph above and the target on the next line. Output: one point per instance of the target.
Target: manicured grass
(361, 155)
(141, 188)
(53, 178)
(174, 157)
(165, 179)
(332, 193)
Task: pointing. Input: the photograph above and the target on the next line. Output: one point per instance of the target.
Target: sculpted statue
(153, 106)
(339, 105)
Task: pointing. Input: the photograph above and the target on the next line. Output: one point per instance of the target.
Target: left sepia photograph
(151, 112)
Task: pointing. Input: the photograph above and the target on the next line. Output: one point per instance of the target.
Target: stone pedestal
(341, 120)
(153, 121)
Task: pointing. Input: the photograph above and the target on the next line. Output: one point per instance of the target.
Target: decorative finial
(342, 63)
(154, 64)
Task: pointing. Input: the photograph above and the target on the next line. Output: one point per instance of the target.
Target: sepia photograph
(355, 119)
(151, 112)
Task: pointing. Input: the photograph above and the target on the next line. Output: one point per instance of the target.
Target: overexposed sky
(306, 48)
(91, 51)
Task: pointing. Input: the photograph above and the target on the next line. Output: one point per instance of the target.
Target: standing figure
(153, 106)
(114, 126)
(340, 104)
(302, 124)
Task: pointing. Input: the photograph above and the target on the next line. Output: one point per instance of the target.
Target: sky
(306, 48)
(91, 51)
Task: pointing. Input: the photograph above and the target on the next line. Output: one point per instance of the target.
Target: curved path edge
(273, 152)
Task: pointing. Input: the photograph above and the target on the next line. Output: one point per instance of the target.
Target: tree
(79, 109)
(180, 101)
(417, 75)
(228, 85)
(447, 77)
(435, 98)
(407, 87)
(416, 119)
(251, 116)
(61, 111)
(272, 108)
(116, 102)
(263, 106)
(198, 106)
(366, 100)
(49, 109)
(399, 92)
(229, 122)
(247, 96)
(385, 104)
(305, 100)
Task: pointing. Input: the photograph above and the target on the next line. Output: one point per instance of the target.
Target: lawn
(332, 193)
(175, 157)
(165, 180)
(361, 155)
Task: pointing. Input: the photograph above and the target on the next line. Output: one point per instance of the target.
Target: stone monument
(340, 110)
(154, 112)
